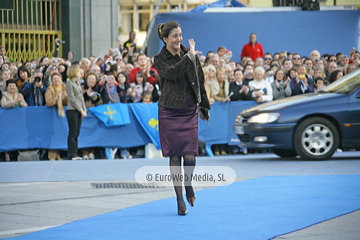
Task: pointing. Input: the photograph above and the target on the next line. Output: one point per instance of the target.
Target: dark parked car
(312, 125)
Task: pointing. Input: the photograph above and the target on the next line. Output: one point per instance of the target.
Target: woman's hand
(287, 80)
(151, 87)
(258, 93)
(259, 99)
(18, 98)
(192, 44)
(244, 89)
(83, 113)
(224, 100)
(32, 79)
(203, 118)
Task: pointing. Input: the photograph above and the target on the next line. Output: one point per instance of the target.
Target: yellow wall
(268, 3)
(260, 3)
(342, 2)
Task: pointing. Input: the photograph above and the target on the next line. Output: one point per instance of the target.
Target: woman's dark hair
(280, 69)
(273, 61)
(333, 76)
(239, 63)
(319, 79)
(164, 29)
(124, 54)
(248, 65)
(63, 74)
(23, 69)
(10, 81)
(142, 74)
(127, 82)
(208, 53)
(114, 68)
(42, 59)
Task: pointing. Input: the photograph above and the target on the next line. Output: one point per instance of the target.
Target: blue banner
(147, 115)
(112, 114)
(41, 127)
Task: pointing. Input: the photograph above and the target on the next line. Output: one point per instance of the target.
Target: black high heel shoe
(182, 212)
(191, 200)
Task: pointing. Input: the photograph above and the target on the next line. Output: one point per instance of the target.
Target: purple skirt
(178, 128)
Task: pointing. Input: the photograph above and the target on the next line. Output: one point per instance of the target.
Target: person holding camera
(34, 90)
(109, 89)
(248, 74)
(57, 46)
(130, 41)
(301, 84)
(281, 85)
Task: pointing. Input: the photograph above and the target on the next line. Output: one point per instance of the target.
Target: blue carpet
(260, 208)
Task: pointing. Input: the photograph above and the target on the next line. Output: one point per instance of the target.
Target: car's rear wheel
(316, 139)
(285, 152)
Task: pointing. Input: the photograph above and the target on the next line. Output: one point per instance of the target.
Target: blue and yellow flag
(147, 115)
(112, 114)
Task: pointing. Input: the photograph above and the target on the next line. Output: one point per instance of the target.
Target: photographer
(130, 41)
(57, 46)
(47, 72)
(281, 85)
(248, 74)
(34, 89)
(109, 89)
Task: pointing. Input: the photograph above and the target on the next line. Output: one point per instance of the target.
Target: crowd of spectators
(125, 75)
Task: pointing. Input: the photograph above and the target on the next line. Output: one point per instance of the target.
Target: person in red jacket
(252, 49)
(146, 68)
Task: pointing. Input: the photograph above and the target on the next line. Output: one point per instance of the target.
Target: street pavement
(39, 195)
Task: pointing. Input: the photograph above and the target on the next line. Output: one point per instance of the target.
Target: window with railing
(28, 28)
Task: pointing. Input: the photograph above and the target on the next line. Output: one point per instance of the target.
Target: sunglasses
(332, 60)
(295, 58)
(118, 59)
(267, 58)
(281, 57)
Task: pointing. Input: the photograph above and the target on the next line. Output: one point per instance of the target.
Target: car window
(345, 85)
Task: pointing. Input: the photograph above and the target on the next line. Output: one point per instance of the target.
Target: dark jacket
(235, 88)
(296, 87)
(28, 91)
(124, 98)
(172, 70)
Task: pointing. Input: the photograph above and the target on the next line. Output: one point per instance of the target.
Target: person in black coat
(237, 90)
(182, 91)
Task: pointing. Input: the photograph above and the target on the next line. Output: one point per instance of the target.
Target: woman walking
(182, 92)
